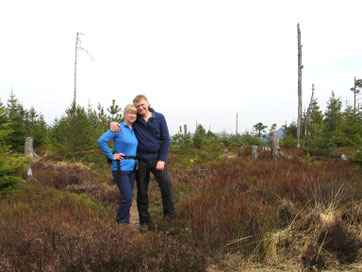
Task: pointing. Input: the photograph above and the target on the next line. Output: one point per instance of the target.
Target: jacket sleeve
(103, 140)
(165, 139)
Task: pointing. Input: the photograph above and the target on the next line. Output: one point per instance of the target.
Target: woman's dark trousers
(125, 183)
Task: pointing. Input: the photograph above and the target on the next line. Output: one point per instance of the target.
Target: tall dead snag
(309, 112)
(300, 67)
(77, 40)
(78, 46)
(237, 123)
(185, 130)
(356, 91)
(29, 151)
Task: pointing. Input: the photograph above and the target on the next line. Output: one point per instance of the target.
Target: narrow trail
(134, 220)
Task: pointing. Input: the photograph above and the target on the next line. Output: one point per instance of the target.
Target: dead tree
(185, 130)
(274, 144)
(29, 151)
(254, 151)
(309, 113)
(78, 46)
(356, 91)
(300, 67)
(237, 123)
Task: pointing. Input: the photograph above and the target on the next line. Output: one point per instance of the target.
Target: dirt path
(134, 220)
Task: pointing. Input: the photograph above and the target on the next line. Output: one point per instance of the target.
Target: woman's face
(130, 116)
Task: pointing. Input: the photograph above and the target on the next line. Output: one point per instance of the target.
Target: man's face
(142, 107)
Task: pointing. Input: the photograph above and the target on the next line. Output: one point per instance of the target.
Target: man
(153, 145)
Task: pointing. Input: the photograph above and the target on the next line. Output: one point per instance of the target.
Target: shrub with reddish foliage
(54, 231)
(236, 202)
(76, 178)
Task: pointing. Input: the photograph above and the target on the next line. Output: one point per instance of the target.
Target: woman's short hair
(131, 108)
(139, 97)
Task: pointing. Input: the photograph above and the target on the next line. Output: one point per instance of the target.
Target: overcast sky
(196, 61)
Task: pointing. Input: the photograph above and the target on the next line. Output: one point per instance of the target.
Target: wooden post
(185, 130)
(300, 67)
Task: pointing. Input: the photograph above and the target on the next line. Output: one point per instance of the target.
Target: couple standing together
(142, 136)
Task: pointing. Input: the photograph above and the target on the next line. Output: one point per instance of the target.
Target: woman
(124, 160)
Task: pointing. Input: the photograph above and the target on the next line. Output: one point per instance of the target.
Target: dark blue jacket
(153, 137)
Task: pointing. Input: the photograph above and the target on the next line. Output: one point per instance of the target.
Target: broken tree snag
(254, 151)
(29, 151)
(300, 67)
(274, 144)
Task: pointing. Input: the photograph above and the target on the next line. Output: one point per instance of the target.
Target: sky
(198, 62)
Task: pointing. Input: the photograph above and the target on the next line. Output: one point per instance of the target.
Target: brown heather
(291, 214)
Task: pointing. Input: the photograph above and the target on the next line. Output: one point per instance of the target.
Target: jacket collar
(151, 110)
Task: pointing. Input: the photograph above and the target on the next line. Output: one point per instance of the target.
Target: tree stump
(29, 151)
(274, 144)
(254, 151)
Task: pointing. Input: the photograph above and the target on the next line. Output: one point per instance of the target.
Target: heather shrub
(243, 151)
(261, 207)
(78, 179)
(211, 220)
(56, 231)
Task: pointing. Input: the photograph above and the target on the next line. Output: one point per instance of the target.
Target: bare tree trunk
(354, 96)
(237, 123)
(300, 67)
(254, 151)
(77, 47)
(274, 144)
(29, 151)
(185, 130)
(309, 112)
(75, 70)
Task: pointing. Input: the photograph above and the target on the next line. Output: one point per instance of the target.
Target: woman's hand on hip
(118, 156)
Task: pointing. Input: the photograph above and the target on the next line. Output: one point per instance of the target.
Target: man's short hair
(139, 98)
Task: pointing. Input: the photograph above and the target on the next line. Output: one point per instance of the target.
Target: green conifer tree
(72, 133)
(10, 166)
(15, 116)
(114, 111)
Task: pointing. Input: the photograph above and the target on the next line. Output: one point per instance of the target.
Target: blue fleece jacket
(124, 141)
(153, 137)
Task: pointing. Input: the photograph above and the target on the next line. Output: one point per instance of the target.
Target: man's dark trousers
(164, 182)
